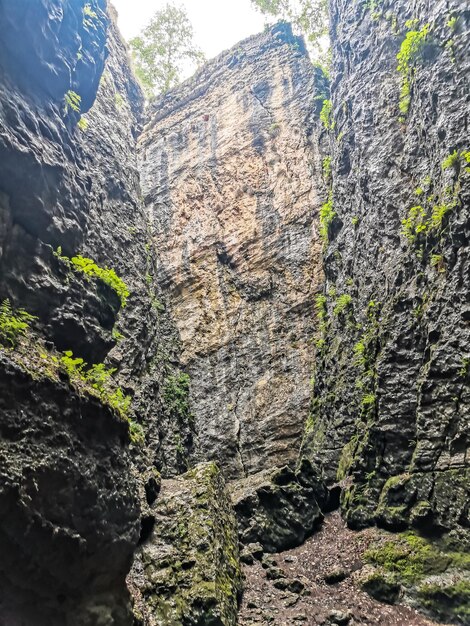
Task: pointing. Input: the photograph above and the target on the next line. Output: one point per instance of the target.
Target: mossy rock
(421, 514)
(393, 518)
(347, 458)
(360, 517)
(432, 578)
(433, 503)
(188, 572)
(357, 507)
(382, 587)
(392, 511)
(409, 557)
(448, 603)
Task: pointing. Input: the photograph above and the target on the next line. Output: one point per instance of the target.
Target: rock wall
(70, 513)
(235, 274)
(277, 509)
(228, 166)
(390, 414)
(188, 570)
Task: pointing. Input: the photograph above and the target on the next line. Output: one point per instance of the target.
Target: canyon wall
(229, 169)
(70, 512)
(259, 237)
(390, 412)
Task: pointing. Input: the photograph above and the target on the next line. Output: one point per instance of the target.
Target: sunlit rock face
(228, 169)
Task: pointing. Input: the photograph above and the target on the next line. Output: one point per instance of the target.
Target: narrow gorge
(235, 325)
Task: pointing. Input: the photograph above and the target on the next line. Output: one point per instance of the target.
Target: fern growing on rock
(14, 324)
(72, 101)
(93, 270)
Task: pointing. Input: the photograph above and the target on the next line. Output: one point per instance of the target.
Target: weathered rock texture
(227, 163)
(61, 186)
(69, 511)
(43, 179)
(70, 517)
(188, 573)
(391, 399)
(230, 165)
(278, 508)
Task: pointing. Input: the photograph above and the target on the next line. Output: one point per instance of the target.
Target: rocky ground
(290, 587)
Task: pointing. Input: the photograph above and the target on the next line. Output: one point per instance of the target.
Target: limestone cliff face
(228, 164)
(229, 283)
(391, 399)
(70, 512)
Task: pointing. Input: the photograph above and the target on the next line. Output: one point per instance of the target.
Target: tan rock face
(227, 163)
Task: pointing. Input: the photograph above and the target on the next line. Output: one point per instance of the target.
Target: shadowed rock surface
(278, 508)
(70, 515)
(391, 404)
(188, 571)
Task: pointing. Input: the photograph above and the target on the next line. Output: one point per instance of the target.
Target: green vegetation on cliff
(327, 214)
(92, 270)
(409, 55)
(28, 350)
(176, 397)
(14, 323)
(310, 17)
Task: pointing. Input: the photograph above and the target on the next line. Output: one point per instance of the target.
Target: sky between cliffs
(218, 24)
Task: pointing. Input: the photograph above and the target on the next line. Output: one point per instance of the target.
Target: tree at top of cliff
(163, 49)
(309, 16)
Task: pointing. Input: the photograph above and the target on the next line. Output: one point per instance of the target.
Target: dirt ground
(333, 548)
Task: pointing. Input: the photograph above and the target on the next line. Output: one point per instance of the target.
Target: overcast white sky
(218, 24)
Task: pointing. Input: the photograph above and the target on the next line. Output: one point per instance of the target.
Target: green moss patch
(28, 350)
(191, 563)
(449, 602)
(410, 558)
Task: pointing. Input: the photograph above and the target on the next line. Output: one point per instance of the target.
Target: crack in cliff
(238, 427)
(263, 106)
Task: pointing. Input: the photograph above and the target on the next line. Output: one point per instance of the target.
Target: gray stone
(391, 402)
(339, 617)
(188, 570)
(278, 508)
(336, 576)
(226, 162)
(70, 514)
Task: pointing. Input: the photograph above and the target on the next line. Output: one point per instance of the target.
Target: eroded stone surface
(70, 515)
(188, 571)
(227, 165)
(391, 398)
(278, 508)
